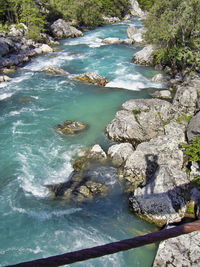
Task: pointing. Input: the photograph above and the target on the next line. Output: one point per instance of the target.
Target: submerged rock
(91, 77)
(80, 187)
(54, 70)
(88, 156)
(71, 127)
(61, 29)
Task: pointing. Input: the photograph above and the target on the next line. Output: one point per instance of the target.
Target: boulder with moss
(91, 77)
(71, 127)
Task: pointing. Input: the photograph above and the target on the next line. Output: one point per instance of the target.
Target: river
(33, 154)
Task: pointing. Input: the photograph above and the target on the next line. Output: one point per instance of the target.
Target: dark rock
(193, 128)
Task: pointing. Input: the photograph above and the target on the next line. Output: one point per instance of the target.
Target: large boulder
(162, 94)
(163, 199)
(109, 19)
(140, 120)
(141, 165)
(193, 128)
(91, 77)
(112, 40)
(185, 102)
(179, 251)
(18, 30)
(119, 153)
(61, 29)
(4, 78)
(135, 34)
(135, 9)
(144, 56)
(71, 127)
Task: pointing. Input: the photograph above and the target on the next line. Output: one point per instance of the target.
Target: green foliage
(173, 26)
(193, 149)
(136, 111)
(184, 119)
(146, 4)
(196, 181)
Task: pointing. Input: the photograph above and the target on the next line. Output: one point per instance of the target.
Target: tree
(173, 26)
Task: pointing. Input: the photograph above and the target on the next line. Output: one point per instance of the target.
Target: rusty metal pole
(99, 251)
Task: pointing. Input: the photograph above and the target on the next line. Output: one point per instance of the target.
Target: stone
(141, 165)
(61, 29)
(162, 199)
(88, 156)
(193, 128)
(185, 102)
(119, 153)
(135, 34)
(179, 251)
(175, 130)
(4, 78)
(47, 39)
(4, 46)
(93, 78)
(144, 56)
(159, 78)
(18, 30)
(56, 71)
(71, 127)
(140, 120)
(109, 19)
(112, 40)
(135, 9)
(163, 94)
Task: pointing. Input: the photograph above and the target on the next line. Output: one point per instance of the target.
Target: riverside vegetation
(154, 157)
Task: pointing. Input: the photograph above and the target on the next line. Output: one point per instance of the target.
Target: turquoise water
(33, 154)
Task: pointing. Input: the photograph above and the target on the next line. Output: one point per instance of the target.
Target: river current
(33, 154)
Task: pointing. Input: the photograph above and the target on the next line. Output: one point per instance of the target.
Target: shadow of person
(152, 166)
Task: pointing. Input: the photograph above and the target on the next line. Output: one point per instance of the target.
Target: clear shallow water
(33, 154)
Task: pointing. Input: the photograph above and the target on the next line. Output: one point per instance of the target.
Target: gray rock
(185, 102)
(135, 34)
(54, 70)
(193, 128)
(119, 153)
(162, 200)
(18, 30)
(91, 77)
(195, 170)
(159, 78)
(109, 19)
(140, 120)
(112, 40)
(135, 9)
(88, 156)
(163, 94)
(179, 251)
(61, 29)
(175, 130)
(144, 56)
(4, 46)
(142, 164)
(47, 39)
